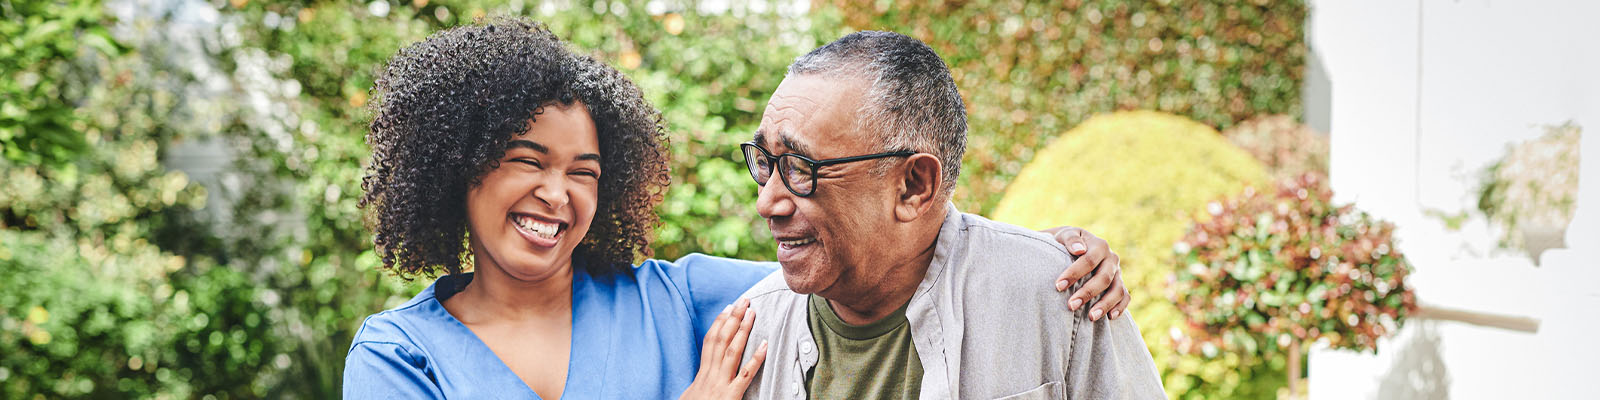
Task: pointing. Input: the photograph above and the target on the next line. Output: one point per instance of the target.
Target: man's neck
(878, 295)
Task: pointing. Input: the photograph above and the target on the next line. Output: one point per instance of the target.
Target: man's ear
(920, 183)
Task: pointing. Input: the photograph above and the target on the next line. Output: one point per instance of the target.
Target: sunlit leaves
(1312, 270)
(1030, 70)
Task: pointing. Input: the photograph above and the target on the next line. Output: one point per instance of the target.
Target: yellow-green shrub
(1136, 179)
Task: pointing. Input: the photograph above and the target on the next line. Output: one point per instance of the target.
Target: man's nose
(773, 199)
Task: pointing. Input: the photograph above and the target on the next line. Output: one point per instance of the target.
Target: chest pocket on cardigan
(1048, 391)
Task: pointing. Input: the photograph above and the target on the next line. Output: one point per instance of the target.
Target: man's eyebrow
(784, 138)
(794, 146)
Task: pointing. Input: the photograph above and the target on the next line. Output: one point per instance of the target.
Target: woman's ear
(922, 179)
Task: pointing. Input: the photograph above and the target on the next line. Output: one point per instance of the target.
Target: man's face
(826, 239)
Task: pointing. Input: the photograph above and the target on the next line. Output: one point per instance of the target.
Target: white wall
(1423, 95)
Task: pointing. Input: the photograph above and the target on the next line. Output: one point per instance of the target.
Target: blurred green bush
(1136, 178)
(90, 306)
(257, 292)
(1030, 70)
(296, 225)
(1267, 274)
(38, 82)
(1288, 148)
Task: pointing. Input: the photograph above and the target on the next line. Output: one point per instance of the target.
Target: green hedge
(1031, 70)
(169, 299)
(709, 74)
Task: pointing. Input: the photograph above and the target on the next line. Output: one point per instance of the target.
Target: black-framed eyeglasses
(799, 172)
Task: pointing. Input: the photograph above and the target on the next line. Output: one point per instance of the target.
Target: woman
(496, 147)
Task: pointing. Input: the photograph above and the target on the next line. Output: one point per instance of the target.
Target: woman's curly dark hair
(445, 109)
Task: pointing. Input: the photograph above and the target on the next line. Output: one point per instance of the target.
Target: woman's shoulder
(706, 283)
(388, 356)
(696, 274)
(696, 265)
(391, 326)
(400, 325)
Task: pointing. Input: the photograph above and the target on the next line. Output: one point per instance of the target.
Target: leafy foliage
(710, 74)
(1031, 69)
(1266, 275)
(1135, 179)
(38, 101)
(122, 277)
(306, 69)
(1534, 187)
(1288, 148)
(1288, 267)
(90, 305)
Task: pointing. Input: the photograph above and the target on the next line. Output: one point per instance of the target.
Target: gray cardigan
(987, 323)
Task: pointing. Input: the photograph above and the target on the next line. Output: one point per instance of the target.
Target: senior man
(888, 291)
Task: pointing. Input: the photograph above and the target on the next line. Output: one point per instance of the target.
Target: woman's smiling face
(527, 215)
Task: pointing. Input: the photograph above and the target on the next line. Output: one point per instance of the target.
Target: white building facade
(1419, 96)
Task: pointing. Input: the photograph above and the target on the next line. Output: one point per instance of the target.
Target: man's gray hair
(912, 102)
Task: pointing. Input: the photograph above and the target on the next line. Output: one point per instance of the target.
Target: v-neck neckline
(584, 336)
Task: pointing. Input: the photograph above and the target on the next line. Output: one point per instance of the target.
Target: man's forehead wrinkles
(786, 110)
(793, 97)
(772, 127)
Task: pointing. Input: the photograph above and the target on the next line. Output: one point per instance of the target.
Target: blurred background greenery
(178, 180)
(1152, 172)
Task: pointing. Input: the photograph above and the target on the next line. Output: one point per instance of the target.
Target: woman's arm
(714, 282)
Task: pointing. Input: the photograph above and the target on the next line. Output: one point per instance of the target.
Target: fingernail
(763, 345)
(1078, 247)
(744, 302)
(1094, 315)
(727, 309)
(1061, 285)
(1116, 314)
(1074, 304)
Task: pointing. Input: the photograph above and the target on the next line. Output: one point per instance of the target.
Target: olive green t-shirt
(872, 361)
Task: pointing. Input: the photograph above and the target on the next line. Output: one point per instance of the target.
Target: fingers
(712, 349)
(715, 353)
(1104, 265)
(1089, 259)
(1116, 299)
(731, 357)
(720, 375)
(748, 373)
(1073, 239)
(1122, 306)
(1079, 268)
(1107, 266)
(731, 323)
(1096, 285)
(1108, 301)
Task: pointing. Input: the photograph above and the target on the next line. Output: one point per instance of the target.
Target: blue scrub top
(634, 336)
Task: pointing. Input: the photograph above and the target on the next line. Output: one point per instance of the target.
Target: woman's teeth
(542, 229)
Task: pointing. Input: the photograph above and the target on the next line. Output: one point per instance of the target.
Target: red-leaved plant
(1269, 273)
